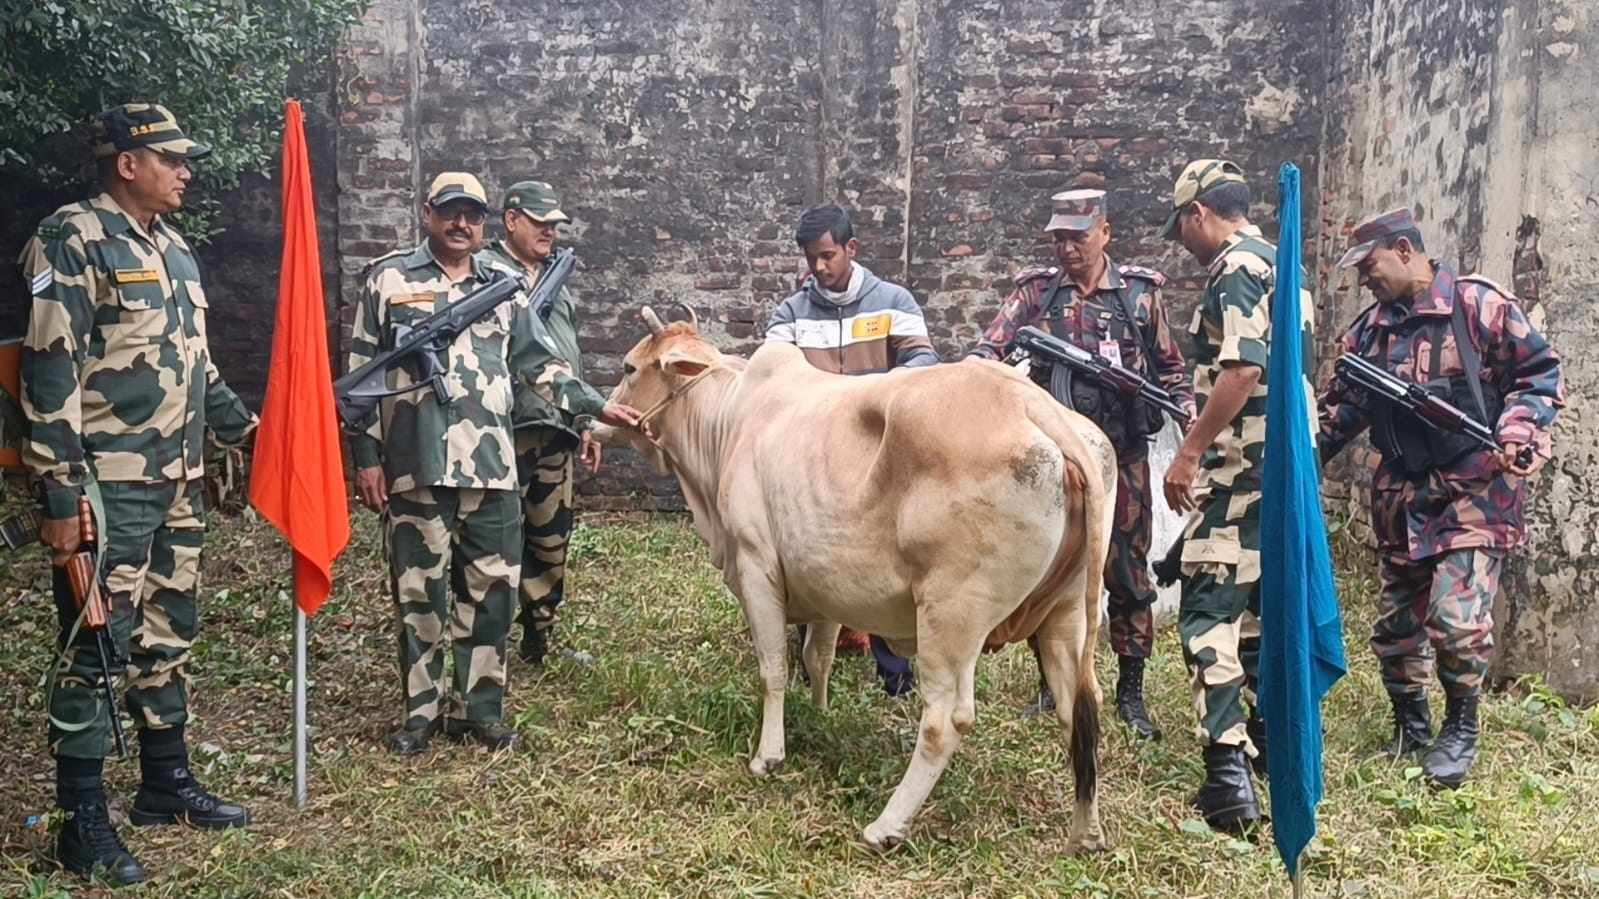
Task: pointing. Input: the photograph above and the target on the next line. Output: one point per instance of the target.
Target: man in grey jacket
(848, 321)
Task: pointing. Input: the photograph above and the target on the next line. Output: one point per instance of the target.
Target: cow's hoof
(881, 839)
(1088, 844)
(765, 767)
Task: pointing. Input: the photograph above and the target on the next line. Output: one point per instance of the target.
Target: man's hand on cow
(370, 486)
(619, 415)
(1180, 482)
(588, 453)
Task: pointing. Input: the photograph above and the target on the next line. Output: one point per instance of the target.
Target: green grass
(632, 783)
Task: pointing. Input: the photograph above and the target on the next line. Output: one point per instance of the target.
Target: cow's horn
(653, 320)
(693, 317)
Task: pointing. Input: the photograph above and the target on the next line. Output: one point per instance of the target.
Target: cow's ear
(678, 362)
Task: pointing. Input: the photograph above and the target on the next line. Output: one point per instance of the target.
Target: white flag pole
(300, 789)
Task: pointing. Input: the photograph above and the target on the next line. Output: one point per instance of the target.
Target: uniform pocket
(141, 313)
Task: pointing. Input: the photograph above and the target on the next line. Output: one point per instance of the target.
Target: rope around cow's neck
(671, 395)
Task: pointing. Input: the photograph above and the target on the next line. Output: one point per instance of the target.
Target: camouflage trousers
(1132, 596)
(1442, 604)
(466, 542)
(544, 469)
(1218, 618)
(151, 558)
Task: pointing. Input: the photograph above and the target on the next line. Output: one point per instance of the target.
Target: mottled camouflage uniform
(119, 389)
(1443, 535)
(453, 520)
(1086, 321)
(1218, 618)
(545, 445)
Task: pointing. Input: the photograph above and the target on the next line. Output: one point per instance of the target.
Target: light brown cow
(948, 509)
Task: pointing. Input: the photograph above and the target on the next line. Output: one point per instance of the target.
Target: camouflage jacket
(1091, 319)
(562, 321)
(1232, 325)
(1472, 502)
(118, 383)
(419, 440)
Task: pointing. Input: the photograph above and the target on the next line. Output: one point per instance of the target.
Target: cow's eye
(628, 369)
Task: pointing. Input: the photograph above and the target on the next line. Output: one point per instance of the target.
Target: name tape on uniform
(137, 275)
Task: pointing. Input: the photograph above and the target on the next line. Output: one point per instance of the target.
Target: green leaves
(222, 66)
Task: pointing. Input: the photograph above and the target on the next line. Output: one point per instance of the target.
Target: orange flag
(297, 481)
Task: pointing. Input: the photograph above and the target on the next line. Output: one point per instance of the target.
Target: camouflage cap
(134, 125)
(536, 200)
(1198, 178)
(1076, 210)
(1366, 235)
(457, 186)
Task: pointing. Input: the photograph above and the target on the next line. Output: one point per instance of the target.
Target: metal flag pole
(300, 790)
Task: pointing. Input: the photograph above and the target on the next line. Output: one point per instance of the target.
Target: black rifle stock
(358, 393)
(1416, 400)
(1045, 347)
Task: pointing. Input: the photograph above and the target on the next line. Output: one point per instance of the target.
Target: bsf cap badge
(134, 125)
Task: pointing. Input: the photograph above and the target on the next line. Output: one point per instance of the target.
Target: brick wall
(686, 140)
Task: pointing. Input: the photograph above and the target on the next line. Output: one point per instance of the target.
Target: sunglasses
(472, 215)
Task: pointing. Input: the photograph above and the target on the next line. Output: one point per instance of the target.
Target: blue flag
(1302, 645)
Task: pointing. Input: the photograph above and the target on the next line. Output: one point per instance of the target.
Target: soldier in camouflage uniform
(119, 390)
(444, 473)
(1444, 511)
(544, 449)
(1087, 301)
(1217, 471)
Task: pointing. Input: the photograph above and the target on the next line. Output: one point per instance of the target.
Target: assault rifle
(1044, 347)
(94, 598)
(358, 393)
(1416, 400)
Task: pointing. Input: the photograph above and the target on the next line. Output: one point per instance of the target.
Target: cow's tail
(1088, 471)
(1085, 706)
(1085, 736)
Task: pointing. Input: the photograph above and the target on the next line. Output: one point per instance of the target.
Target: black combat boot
(1227, 799)
(493, 734)
(87, 844)
(1450, 758)
(1412, 726)
(1256, 728)
(1130, 698)
(410, 740)
(169, 794)
(534, 647)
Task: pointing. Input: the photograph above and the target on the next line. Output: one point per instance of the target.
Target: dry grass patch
(631, 782)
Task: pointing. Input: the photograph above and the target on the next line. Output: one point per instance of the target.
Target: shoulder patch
(1138, 271)
(1036, 272)
(370, 266)
(1489, 283)
(51, 231)
(42, 281)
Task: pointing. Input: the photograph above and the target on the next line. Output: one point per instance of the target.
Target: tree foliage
(222, 66)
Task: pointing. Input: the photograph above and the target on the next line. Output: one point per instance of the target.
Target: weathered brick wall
(1017, 101)
(687, 140)
(1480, 117)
